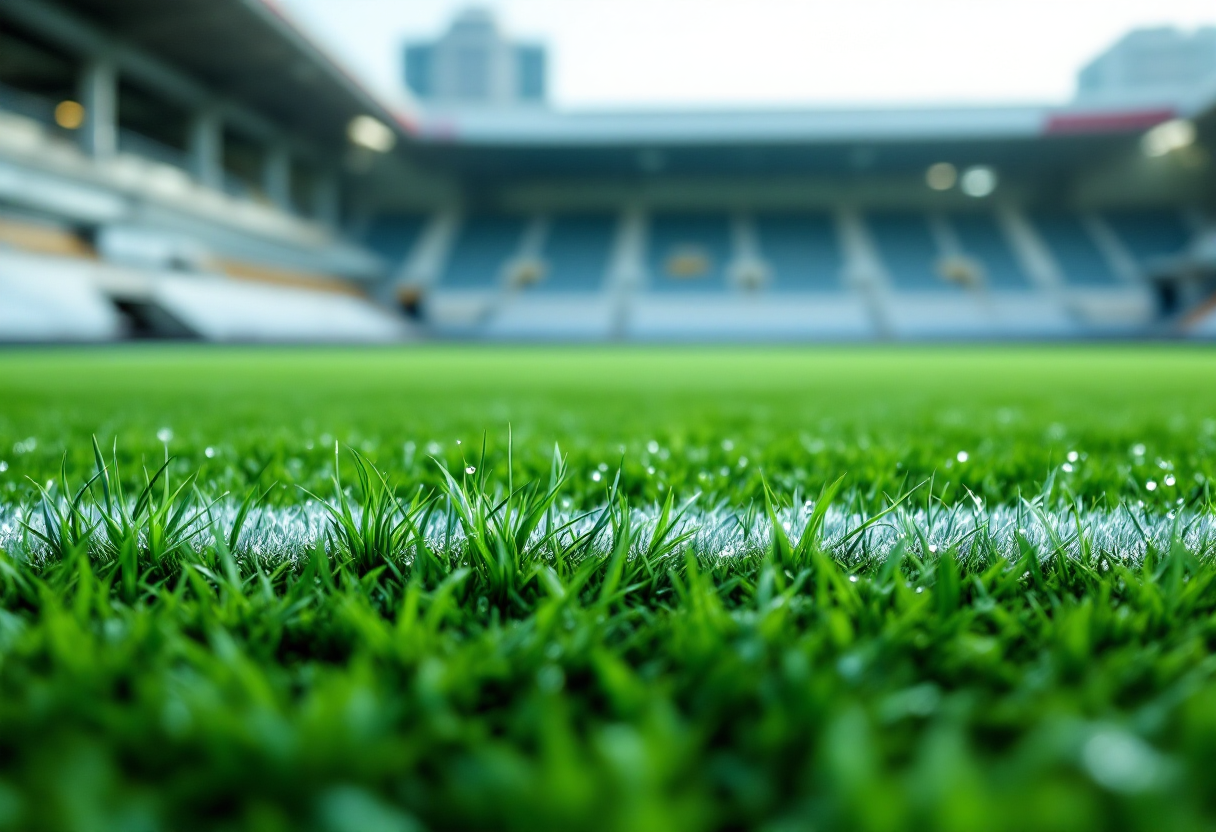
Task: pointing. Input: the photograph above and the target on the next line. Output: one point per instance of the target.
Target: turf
(964, 588)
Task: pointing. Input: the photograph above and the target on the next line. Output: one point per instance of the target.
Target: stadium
(440, 455)
(252, 199)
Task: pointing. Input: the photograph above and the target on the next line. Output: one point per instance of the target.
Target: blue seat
(981, 238)
(481, 250)
(1074, 249)
(675, 237)
(801, 250)
(577, 252)
(1150, 235)
(393, 237)
(907, 249)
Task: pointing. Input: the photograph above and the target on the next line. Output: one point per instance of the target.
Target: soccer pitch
(458, 587)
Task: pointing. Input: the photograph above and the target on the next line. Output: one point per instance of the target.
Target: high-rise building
(474, 65)
(1155, 62)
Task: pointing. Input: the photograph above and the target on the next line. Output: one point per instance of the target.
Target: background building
(1162, 63)
(474, 65)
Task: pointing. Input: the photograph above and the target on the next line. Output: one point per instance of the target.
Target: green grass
(683, 619)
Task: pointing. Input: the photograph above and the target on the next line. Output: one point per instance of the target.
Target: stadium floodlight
(941, 177)
(69, 115)
(979, 181)
(1167, 137)
(371, 133)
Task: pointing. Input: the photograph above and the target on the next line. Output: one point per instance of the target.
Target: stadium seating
(981, 238)
(482, 248)
(907, 249)
(1150, 236)
(393, 237)
(1075, 251)
(689, 252)
(576, 253)
(802, 251)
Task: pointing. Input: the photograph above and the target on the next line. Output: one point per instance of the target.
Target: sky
(727, 53)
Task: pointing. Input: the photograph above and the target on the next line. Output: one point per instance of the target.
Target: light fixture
(371, 133)
(941, 177)
(69, 115)
(979, 181)
(1168, 137)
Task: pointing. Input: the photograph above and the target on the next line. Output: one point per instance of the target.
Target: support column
(99, 95)
(276, 176)
(207, 149)
(326, 199)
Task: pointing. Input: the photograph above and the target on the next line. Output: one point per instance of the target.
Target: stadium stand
(689, 252)
(304, 193)
(576, 252)
(981, 237)
(907, 250)
(483, 247)
(1080, 260)
(801, 250)
(1150, 235)
(393, 236)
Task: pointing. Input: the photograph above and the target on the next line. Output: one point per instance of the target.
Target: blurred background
(542, 170)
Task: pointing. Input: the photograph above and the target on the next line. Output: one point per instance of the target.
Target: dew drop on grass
(1169, 480)
(963, 456)
(650, 470)
(852, 579)
(1151, 485)
(1073, 456)
(3, 466)
(471, 470)
(1067, 467)
(209, 453)
(728, 445)
(1138, 450)
(724, 471)
(457, 441)
(597, 476)
(652, 446)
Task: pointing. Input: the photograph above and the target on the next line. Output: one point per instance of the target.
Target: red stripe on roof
(1107, 122)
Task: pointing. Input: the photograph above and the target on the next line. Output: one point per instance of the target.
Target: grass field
(445, 588)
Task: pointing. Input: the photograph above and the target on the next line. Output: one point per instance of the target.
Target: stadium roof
(246, 51)
(505, 144)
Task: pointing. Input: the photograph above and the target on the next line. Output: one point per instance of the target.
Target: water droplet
(742, 462)
(597, 476)
(1150, 485)
(1138, 450)
(963, 456)
(650, 470)
(852, 579)
(1067, 467)
(164, 435)
(1169, 480)
(603, 466)
(724, 471)
(470, 470)
(457, 441)
(652, 446)
(728, 445)
(1073, 456)
(433, 448)
(919, 590)
(933, 548)
(209, 453)
(3, 466)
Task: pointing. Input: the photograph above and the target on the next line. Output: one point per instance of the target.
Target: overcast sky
(697, 53)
